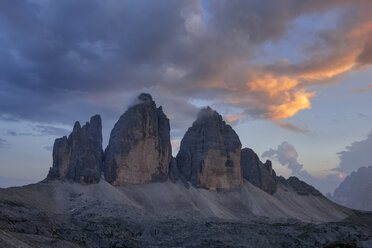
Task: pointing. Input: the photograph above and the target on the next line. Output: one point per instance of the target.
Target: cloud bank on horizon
(59, 54)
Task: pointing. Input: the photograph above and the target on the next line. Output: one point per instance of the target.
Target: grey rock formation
(209, 155)
(356, 190)
(259, 174)
(300, 187)
(139, 149)
(79, 157)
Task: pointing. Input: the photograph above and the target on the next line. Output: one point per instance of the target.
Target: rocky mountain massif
(139, 152)
(356, 190)
(213, 194)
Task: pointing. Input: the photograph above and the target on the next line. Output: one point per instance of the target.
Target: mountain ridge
(213, 194)
(355, 190)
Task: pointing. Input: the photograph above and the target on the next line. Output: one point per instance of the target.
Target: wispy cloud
(40, 130)
(3, 143)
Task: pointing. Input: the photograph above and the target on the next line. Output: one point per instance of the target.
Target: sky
(293, 77)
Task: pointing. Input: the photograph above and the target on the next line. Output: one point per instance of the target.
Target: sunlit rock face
(259, 174)
(139, 149)
(209, 155)
(79, 157)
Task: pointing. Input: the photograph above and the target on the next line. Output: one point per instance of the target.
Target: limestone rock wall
(259, 174)
(79, 157)
(209, 155)
(139, 149)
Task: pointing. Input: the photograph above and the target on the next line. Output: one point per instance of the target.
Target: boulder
(209, 155)
(79, 157)
(139, 149)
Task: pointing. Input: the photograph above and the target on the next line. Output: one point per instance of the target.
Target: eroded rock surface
(209, 155)
(139, 149)
(259, 174)
(79, 157)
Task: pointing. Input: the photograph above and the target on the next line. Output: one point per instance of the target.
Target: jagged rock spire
(79, 157)
(259, 174)
(139, 149)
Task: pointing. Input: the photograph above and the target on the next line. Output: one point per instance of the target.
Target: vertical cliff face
(259, 174)
(209, 155)
(139, 149)
(79, 157)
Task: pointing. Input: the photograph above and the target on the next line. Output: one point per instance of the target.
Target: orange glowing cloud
(279, 90)
(334, 66)
(340, 175)
(272, 85)
(231, 118)
(284, 100)
(295, 102)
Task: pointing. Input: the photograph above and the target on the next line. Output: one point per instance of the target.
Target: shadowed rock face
(139, 149)
(79, 157)
(259, 174)
(355, 191)
(209, 155)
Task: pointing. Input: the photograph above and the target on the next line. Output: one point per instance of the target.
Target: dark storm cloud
(59, 59)
(68, 60)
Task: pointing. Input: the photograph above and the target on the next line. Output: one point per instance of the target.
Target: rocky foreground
(65, 214)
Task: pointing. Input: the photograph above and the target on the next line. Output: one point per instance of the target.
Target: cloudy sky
(293, 77)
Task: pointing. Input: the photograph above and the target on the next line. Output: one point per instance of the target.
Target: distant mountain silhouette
(356, 190)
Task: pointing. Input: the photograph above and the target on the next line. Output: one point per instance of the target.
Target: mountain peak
(355, 190)
(145, 97)
(139, 149)
(208, 113)
(209, 155)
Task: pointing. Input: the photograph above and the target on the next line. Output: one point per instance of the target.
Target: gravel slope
(63, 214)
